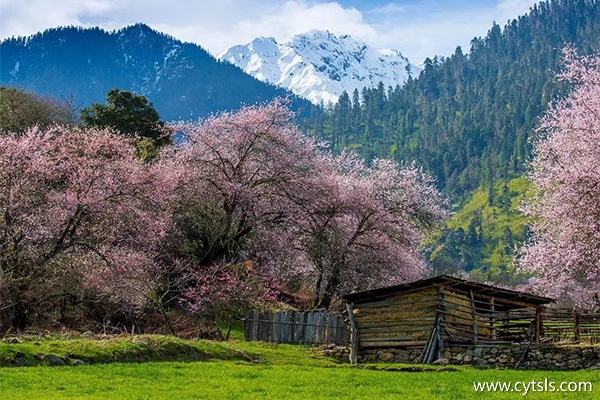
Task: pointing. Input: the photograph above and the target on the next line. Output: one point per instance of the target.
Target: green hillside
(482, 236)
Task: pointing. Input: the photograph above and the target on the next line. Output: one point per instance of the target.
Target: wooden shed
(430, 314)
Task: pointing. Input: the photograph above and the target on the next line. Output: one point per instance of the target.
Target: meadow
(129, 368)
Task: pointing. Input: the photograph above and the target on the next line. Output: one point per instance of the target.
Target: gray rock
(442, 361)
(19, 360)
(77, 362)
(479, 361)
(386, 356)
(54, 359)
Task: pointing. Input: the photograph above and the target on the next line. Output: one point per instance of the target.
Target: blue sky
(418, 28)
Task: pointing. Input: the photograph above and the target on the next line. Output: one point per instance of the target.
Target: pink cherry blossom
(78, 212)
(564, 253)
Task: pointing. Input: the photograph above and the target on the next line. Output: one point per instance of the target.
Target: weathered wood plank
(398, 324)
(399, 302)
(394, 344)
(408, 311)
(392, 317)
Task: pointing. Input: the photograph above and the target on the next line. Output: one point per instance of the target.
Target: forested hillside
(469, 118)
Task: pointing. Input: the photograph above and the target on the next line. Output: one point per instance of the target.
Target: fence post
(353, 334)
(576, 332)
(538, 323)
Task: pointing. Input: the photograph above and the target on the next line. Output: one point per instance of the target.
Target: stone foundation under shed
(544, 357)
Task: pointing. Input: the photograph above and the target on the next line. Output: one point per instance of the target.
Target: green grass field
(241, 370)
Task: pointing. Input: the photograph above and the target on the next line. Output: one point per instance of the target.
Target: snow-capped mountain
(319, 66)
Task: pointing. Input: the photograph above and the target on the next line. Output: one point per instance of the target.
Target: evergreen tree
(126, 112)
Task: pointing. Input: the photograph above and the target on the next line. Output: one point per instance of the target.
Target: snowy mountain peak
(319, 65)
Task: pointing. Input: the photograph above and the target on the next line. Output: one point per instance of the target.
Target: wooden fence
(318, 327)
(567, 325)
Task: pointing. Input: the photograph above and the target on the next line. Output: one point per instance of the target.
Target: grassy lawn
(240, 370)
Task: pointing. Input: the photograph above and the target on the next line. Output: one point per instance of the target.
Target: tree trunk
(330, 290)
(317, 297)
(20, 319)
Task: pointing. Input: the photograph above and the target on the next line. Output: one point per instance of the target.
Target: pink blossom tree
(564, 253)
(255, 188)
(78, 212)
(238, 168)
(360, 227)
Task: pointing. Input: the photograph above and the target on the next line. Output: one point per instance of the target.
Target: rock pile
(544, 357)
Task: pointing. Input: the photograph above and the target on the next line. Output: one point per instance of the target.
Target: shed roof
(448, 281)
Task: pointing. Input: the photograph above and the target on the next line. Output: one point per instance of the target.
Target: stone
(458, 357)
(479, 361)
(77, 362)
(467, 359)
(494, 350)
(54, 359)
(477, 351)
(387, 356)
(442, 361)
(19, 360)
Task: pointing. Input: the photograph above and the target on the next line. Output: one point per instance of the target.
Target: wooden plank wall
(467, 317)
(471, 317)
(318, 327)
(405, 320)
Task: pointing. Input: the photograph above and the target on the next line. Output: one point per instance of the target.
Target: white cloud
(512, 8)
(242, 23)
(418, 28)
(20, 18)
(297, 17)
(432, 27)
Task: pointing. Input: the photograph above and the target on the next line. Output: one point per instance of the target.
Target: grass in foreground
(242, 370)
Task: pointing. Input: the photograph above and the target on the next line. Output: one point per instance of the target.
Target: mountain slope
(319, 66)
(181, 79)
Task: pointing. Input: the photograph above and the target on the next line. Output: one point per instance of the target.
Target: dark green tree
(131, 115)
(128, 113)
